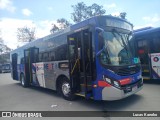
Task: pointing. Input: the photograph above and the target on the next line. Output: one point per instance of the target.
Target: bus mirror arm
(99, 29)
(99, 52)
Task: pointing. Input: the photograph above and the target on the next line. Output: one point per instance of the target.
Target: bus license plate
(134, 88)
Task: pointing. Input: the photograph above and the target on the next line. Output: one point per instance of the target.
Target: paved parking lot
(13, 97)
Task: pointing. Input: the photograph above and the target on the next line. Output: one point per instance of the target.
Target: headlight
(108, 80)
(116, 83)
(112, 82)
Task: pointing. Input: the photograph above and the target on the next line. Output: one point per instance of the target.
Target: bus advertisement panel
(155, 63)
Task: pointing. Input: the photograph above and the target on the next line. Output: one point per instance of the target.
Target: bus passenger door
(14, 66)
(73, 63)
(143, 53)
(80, 58)
(30, 56)
(86, 62)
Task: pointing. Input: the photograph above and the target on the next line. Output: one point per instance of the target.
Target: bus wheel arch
(23, 80)
(63, 88)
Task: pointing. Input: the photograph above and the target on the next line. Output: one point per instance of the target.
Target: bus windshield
(116, 49)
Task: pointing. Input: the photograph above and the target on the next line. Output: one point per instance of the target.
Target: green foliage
(25, 34)
(4, 52)
(81, 11)
(54, 28)
(4, 58)
(61, 24)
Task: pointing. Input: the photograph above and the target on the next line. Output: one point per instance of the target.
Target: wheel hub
(66, 89)
(22, 80)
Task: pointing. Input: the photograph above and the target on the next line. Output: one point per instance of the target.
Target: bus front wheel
(24, 83)
(65, 89)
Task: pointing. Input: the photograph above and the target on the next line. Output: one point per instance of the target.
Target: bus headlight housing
(116, 83)
(112, 82)
(108, 80)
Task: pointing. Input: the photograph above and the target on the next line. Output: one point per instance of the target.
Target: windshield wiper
(127, 40)
(123, 42)
(113, 32)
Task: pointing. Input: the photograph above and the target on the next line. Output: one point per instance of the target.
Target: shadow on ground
(118, 105)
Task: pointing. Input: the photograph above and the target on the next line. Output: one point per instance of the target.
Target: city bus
(147, 46)
(5, 68)
(92, 58)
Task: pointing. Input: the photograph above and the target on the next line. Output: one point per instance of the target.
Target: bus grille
(128, 70)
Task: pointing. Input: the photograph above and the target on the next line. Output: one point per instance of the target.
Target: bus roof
(80, 25)
(142, 32)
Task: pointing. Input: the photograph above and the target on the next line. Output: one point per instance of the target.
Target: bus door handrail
(77, 61)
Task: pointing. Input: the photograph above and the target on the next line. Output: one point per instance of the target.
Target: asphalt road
(13, 97)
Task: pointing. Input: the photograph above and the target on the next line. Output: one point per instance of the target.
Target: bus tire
(65, 89)
(24, 83)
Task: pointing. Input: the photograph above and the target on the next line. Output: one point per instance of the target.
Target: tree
(94, 10)
(3, 48)
(79, 12)
(82, 12)
(61, 24)
(25, 34)
(54, 28)
(4, 52)
(2, 59)
(1, 45)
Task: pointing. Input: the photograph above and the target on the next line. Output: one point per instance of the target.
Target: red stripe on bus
(125, 81)
(103, 84)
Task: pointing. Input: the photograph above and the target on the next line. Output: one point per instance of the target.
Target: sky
(41, 14)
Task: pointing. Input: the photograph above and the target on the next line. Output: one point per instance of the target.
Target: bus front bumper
(113, 93)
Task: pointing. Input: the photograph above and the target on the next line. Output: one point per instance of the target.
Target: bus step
(145, 70)
(82, 94)
(83, 87)
(146, 78)
(146, 74)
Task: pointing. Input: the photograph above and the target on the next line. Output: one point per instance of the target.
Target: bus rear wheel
(65, 89)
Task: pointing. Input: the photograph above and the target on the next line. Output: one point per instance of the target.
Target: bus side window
(143, 51)
(45, 57)
(40, 57)
(72, 51)
(52, 55)
(155, 48)
(22, 61)
(101, 41)
(61, 53)
(36, 56)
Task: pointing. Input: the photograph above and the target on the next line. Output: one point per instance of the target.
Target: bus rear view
(6, 68)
